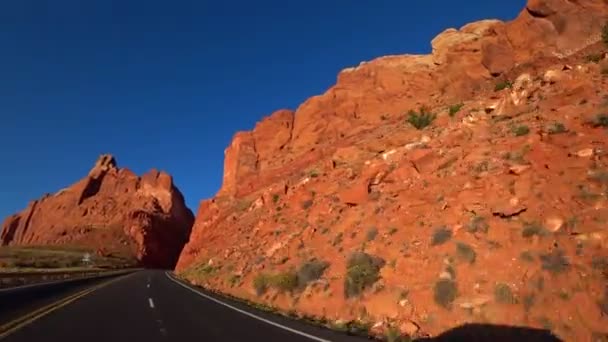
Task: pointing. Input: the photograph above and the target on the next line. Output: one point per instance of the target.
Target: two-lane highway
(151, 306)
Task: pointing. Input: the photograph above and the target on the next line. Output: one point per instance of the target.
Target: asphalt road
(149, 306)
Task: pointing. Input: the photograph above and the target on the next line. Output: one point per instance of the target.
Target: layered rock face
(364, 95)
(493, 213)
(113, 211)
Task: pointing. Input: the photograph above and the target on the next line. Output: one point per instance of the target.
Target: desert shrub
(533, 228)
(520, 130)
(599, 262)
(441, 236)
(314, 173)
(465, 252)
(455, 109)
(600, 120)
(290, 280)
(593, 58)
(362, 271)
(555, 262)
(307, 204)
(285, 281)
(557, 128)
(394, 335)
(445, 292)
(421, 119)
(502, 85)
(243, 205)
(261, 283)
(503, 294)
(234, 279)
(526, 256)
(311, 271)
(478, 224)
(371, 234)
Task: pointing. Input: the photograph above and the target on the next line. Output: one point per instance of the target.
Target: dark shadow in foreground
(493, 333)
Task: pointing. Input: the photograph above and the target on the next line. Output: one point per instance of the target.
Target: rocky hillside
(112, 211)
(422, 192)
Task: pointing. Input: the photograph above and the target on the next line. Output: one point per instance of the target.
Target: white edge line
(248, 313)
(151, 303)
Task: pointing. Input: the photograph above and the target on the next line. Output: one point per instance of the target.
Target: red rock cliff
(511, 175)
(112, 210)
(366, 95)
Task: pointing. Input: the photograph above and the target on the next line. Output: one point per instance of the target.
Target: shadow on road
(493, 333)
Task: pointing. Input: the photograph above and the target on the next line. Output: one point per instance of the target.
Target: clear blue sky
(166, 84)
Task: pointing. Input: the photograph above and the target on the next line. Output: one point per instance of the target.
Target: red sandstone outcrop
(373, 92)
(111, 209)
(495, 213)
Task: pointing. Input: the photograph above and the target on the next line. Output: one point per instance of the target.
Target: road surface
(150, 306)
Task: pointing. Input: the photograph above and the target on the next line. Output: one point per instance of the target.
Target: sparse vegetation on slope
(493, 213)
(361, 272)
(420, 119)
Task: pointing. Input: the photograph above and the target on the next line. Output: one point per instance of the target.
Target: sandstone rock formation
(496, 212)
(112, 210)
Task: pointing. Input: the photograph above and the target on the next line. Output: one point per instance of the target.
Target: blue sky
(166, 84)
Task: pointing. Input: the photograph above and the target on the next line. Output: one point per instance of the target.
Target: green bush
(465, 252)
(478, 224)
(286, 281)
(503, 294)
(307, 204)
(394, 335)
(311, 271)
(234, 279)
(455, 109)
(502, 85)
(555, 262)
(520, 130)
(291, 280)
(557, 128)
(362, 271)
(261, 283)
(445, 292)
(422, 119)
(526, 256)
(600, 120)
(441, 236)
(371, 234)
(533, 228)
(593, 58)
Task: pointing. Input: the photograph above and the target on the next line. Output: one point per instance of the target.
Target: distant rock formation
(111, 210)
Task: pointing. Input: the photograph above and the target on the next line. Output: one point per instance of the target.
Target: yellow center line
(16, 324)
